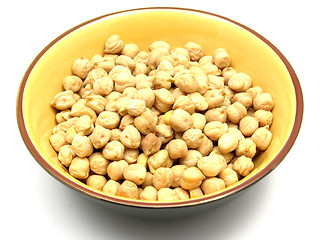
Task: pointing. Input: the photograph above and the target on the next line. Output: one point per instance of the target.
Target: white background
(284, 205)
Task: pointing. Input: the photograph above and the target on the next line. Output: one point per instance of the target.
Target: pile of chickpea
(161, 125)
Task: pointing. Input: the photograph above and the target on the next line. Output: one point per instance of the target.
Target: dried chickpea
(70, 134)
(215, 82)
(240, 82)
(199, 101)
(163, 100)
(236, 112)
(115, 169)
(108, 119)
(103, 86)
(191, 159)
(182, 193)
(193, 138)
(212, 184)
(167, 195)
(66, 154)
(96, 102)
(113, 44)
(106, 63)
(262, 137)
(254, 91)
(215, 97)
(121, 104)
(131, 50)
(159, 159)
(84, 125)
(205, 60)
(124, 80)
(264, 117)
(128, 189)
(79, 168)
(206, 146)
(85, 91)
(236, 132)
(216, 114)
(180, 120)
(211, 166)
(248, 125)
(147, 180)
(211, 69)
(58, 140)
(63, 116)
(81, 67)
(197, 192)
(184, 103)
(149, 193)
(136, 107)
(177, 148)
(111, 187)
(82, 145)
(246, 147)
(98, 163)
(227, 73)
(221, 58)
(111, 101)
(198, 121)
(96, 181)
(155, 57)
(195, 51)
(135, 173)
(162, 178)
(263, 101)
(227, 143)
(244, 98)
(130, 137)
(64, 100)
(94, 75)
(177, 173)
(191, 178)
(159, 45)
(215, 129)
(131, 155)
(72, 83)
(151, 144)
(147, 95)
(113, 150)
(164, 132)
(227, 156)
(115, 134)
(243, 165)
(126, 61)
(162, 80)
(186, 82)
(229, 176)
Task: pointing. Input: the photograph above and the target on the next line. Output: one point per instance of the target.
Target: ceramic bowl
(250, 52)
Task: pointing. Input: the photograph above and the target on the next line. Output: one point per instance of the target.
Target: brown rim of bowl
(134, 203)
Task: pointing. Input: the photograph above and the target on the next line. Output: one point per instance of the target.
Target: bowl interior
(248, 52)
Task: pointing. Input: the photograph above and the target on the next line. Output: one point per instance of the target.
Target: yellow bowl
(250, 52)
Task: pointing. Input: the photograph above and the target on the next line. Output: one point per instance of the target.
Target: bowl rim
(145, 204)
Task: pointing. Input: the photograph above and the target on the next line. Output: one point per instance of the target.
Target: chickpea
(147, 180)
(135, 173)
(66, 154)
(206, 146)
(113, 44)
(155, 57)
(103, 86)
(244, 98)
(248, 125)
(131, 155)
(191, 178)
(130, 137)
(147, 95)
(236, 112)
(94, 75)
(191, 159)
(197, 192)
(264, 117)
(229, 176)
(177, 173)
(180, 120)
(159, 45)
(130, 92)
(200, 102)
(164, 132)
(263, 101)
(85, 91)
(162, 80)
(227, 143)
(111, 101)
(121, 104)
(82, 145)
(79, 168)
(96, 102)
(243, 165)
(221, 58)
(64, 100)
(240, 82)
(58, 140)
(167, 195)
(159, 159)
(193, 138)
(182, 194)
(236, 132)
(227, 73)
(106, 63)
(215, 98)
(113, 150)
(128, 189)
(215, 129)
(64, 126)
(212, 184)
(216, 114)
(211, 69)
(205, 60)
(115, 169)
(72, 83)
(151, 144)
(70, 134)
(63, 116)
(262, 137)
(163, 100)
(227, 156)
(98, 163)
(115, 135)
(81, 67)
(211, 166)
(215, 82)
(246, 147)
(166, 66)
(198, 120)
(111, 187)
(254, 91)
(124, 80)
(126, 61)
(84, 125)
(131, 50)
(195, 51)
(177, 93)
(108, 119)
(184, 103)
(186, 82)
(96, 181)
(136, 107)
(149, 193)
(177, 148)
(162, 178)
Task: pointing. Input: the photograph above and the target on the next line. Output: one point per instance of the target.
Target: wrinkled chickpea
(159, 159)
(246, 147)
(111, 187)
(236, 112)
(212, 184)
(149, 193)
(177, 148)
(81, 67)
(198, 121)
(162, 178)
(128, 189)
(151, 144)
(248, 125)
(131, 155)
(113, 44)
(206, 146)
(167, 195)
(264, 117)
(96, 181)
(243, 165)
(193, 138)
(263, 101)
(216, 114)
(64, 100)
(108, 119)
(215, 129)
(191, 178)
(135, 173)
(79, 168)
(180, 120)
(113, 150)
(262, 137)
(240, 82)
(130, 137)
(66, 154)
(221, 58)
(191, 159)
(227, 143)
(229, 176)
(82, 145)
(72, 83)
(211, 166)
(115, 169)
(98, 163)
